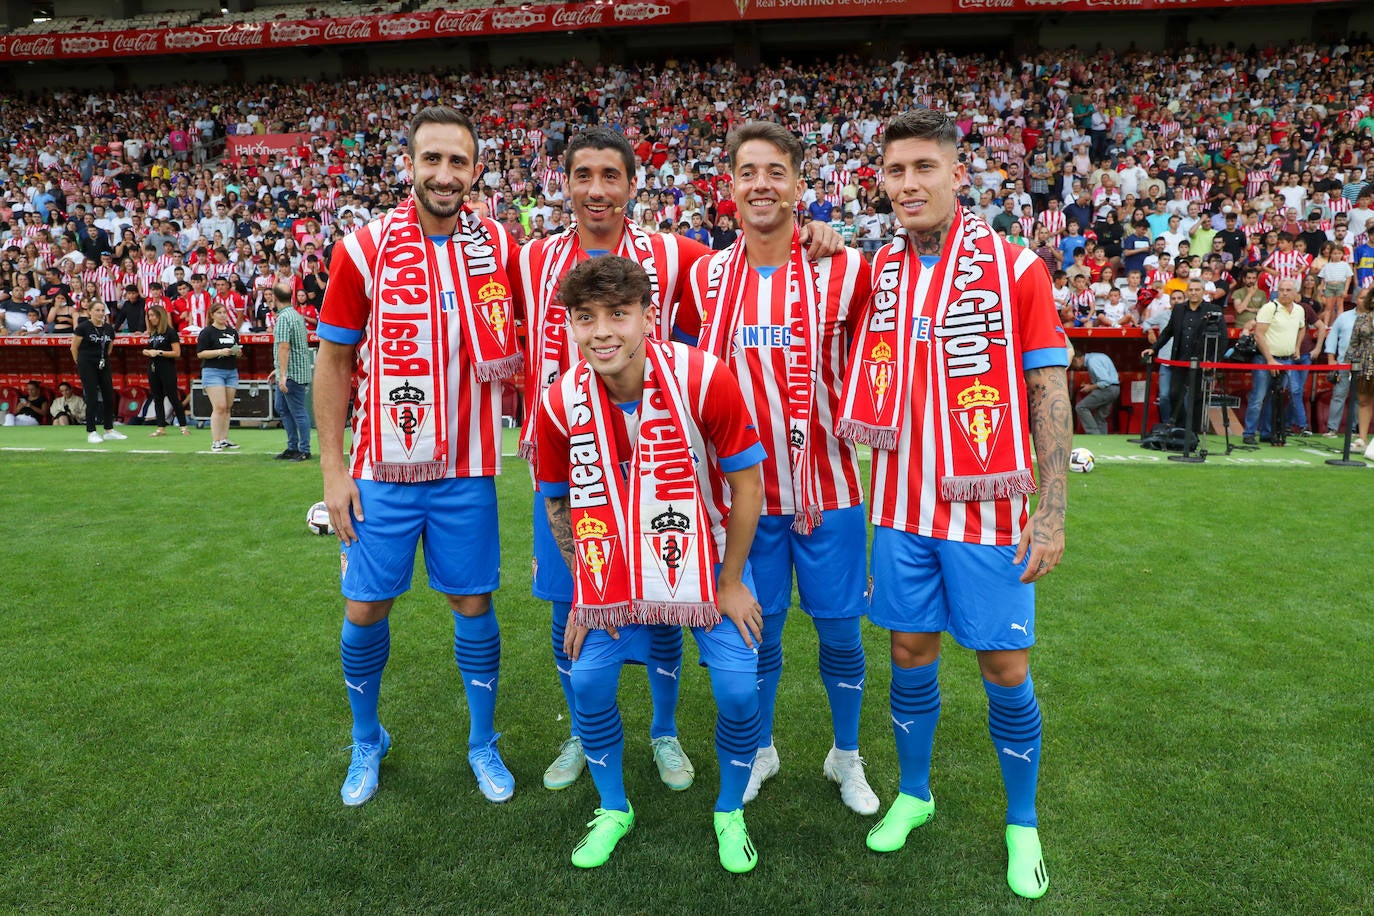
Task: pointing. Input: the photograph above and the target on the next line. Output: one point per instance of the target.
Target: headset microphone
(785, 204)
(618, 209)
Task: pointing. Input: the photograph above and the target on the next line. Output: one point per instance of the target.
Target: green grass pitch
(175, 726)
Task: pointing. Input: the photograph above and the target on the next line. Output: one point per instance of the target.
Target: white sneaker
(847, 769)
(111, 434)
(1369, 452)
(766, 766)
(94, 439)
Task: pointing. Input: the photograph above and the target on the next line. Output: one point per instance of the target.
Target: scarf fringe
(807, 520)
(677, 613)
(983, 487)
(495, 370)
(601, 616)
(879, 437)
(398, 472)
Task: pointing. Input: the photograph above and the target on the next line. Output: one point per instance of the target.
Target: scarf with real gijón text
(548, 334)
(416, 287)
(960, 312)
(643, 547)
(725, 277)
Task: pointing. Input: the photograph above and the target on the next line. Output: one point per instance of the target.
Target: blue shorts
(831, 564)
(456, 517)
(972, 591)
(219, 378)
(723, 648)
(551, 580)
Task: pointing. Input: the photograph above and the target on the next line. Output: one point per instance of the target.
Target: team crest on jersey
(979, 417)
(595, 551)
(880, 372)
(670, 545)
(495, 308)
(408, 412)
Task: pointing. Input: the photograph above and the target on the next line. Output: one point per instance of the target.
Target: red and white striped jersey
(474, 407)
(719, 421)
(1054, 221)
(1338, 204)
(1253, 179)
(111, 280)
(1288, 264)
(148, 273)
(673, 256)
(236, 303)
(759, 356)
(905, 489)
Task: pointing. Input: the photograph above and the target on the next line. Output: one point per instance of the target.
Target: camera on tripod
(1213, 333)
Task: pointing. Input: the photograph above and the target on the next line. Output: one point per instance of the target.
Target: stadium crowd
(1128, 173)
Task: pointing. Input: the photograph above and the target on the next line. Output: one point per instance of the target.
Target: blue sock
(477, 650)
(562, 663)
(770, 673)
(665, 668)
(915, 698)
(842, 673)
(737, 733)
(364, 651)
(603, 737)
(1014, 723)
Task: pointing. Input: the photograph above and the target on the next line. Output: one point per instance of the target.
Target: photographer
(1279, 331)
(1188, 327)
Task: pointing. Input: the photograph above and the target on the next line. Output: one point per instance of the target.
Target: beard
(436, 208)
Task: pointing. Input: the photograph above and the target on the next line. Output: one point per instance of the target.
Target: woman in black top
(163, 351)
(91, 344)
(218, 349)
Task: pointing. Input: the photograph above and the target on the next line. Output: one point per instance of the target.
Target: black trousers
(162, 383)
(97, 387)
(1179, 396)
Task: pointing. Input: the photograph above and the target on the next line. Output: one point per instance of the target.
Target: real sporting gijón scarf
(643, 549)
(961, 310)
(408, 329)
(721, 310)
(548, 331)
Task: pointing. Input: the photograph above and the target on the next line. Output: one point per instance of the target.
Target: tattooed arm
(560, 525)
(1051, 427)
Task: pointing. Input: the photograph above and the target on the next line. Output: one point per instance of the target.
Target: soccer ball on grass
(317, 519)
(1081, 461)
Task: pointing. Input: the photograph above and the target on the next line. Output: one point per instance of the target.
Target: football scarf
(726, 273)
(643, 547)
(548, 320)
(408, 335)
(960, 310)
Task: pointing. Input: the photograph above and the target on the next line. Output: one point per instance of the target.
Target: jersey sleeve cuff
(553, 490)
(335, 334)
(683, 337)
(1045, 356)
(751, 456)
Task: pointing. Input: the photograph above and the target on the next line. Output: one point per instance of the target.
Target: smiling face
(599, 189)
(922, 178)
(765, 186)
(444, 165)
(610, 337)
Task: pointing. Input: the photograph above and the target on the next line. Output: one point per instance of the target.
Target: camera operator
(1187, 328)
(1279, 329)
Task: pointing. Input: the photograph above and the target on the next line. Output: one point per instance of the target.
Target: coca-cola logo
(33, 47)
(182, 41)
(986, 4)
(453, 23)
(564, 18)
(292, 32)
(638, 12)
(240, 36)
(516, 19)
(83, 45)
(401, 26)
(354, 30)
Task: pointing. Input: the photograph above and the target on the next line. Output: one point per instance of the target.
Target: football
(1080, 461)
(317, 520)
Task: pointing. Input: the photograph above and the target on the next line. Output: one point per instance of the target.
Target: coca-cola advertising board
(554, 17)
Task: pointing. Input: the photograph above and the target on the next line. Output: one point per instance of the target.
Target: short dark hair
(768, 132)
(440, 114)
(608, 279)
(600, 138)
(922, 124)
